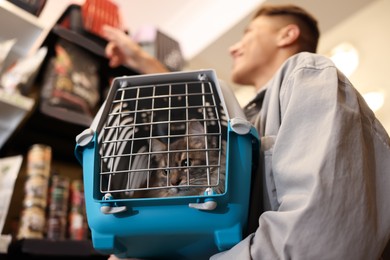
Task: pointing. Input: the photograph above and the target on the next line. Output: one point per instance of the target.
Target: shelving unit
(23, 26)
(14, 107)
(29, 125)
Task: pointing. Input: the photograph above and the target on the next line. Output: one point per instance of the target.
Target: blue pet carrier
(120, 162)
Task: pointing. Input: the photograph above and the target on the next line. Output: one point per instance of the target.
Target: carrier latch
(208, 204)
(108, 208)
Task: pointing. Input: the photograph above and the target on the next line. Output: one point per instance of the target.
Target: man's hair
(306, 22)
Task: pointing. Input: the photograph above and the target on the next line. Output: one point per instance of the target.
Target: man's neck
(271, 69)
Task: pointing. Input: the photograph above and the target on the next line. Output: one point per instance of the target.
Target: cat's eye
(186, 162)
(165, 172)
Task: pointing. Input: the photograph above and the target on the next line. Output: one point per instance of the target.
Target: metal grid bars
(163, 140)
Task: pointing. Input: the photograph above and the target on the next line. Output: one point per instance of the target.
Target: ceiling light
(375, 100)
(346, 58)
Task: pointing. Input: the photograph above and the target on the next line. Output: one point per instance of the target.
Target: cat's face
(186, 168)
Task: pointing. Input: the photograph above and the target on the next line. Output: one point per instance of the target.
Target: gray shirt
(325, 165)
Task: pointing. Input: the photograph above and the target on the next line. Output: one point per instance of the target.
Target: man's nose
(234, 48)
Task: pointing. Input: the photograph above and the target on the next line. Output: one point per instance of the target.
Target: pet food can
(56, 227)
(32, 223)
(58, 207)
(58, 195)
(33, 217)
(77, 219)
(39, 160)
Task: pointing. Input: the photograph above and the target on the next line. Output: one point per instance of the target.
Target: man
(325, 159)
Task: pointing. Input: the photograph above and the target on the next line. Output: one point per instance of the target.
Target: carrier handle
(240, 126)
(85, 137)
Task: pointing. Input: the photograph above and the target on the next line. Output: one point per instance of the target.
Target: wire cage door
(176, 130)
(167, 165)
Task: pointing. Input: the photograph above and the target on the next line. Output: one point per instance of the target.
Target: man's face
(255, 51)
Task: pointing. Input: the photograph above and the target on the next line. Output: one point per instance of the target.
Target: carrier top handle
(240, 126)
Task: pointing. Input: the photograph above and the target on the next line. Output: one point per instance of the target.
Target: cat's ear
(196, 130)
(194, 127)
(157, 145)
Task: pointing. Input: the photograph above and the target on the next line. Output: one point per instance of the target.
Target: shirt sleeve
(321, 175)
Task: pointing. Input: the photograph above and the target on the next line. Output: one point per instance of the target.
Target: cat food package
(5, 49)
(20, 77)
(96, 13)
(71, 84)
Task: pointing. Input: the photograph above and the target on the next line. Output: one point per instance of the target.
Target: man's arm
(321, 175)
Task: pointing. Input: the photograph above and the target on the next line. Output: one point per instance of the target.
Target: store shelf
(14, 109)
(14, 13)
(21, 25)
(80, 40)
(45, 248)
(17, 100)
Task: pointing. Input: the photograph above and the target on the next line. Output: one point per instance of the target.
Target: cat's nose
(175, 179)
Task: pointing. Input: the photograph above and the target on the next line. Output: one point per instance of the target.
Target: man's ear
(288, 35)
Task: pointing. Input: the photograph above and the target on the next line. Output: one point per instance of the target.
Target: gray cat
(189, 170)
